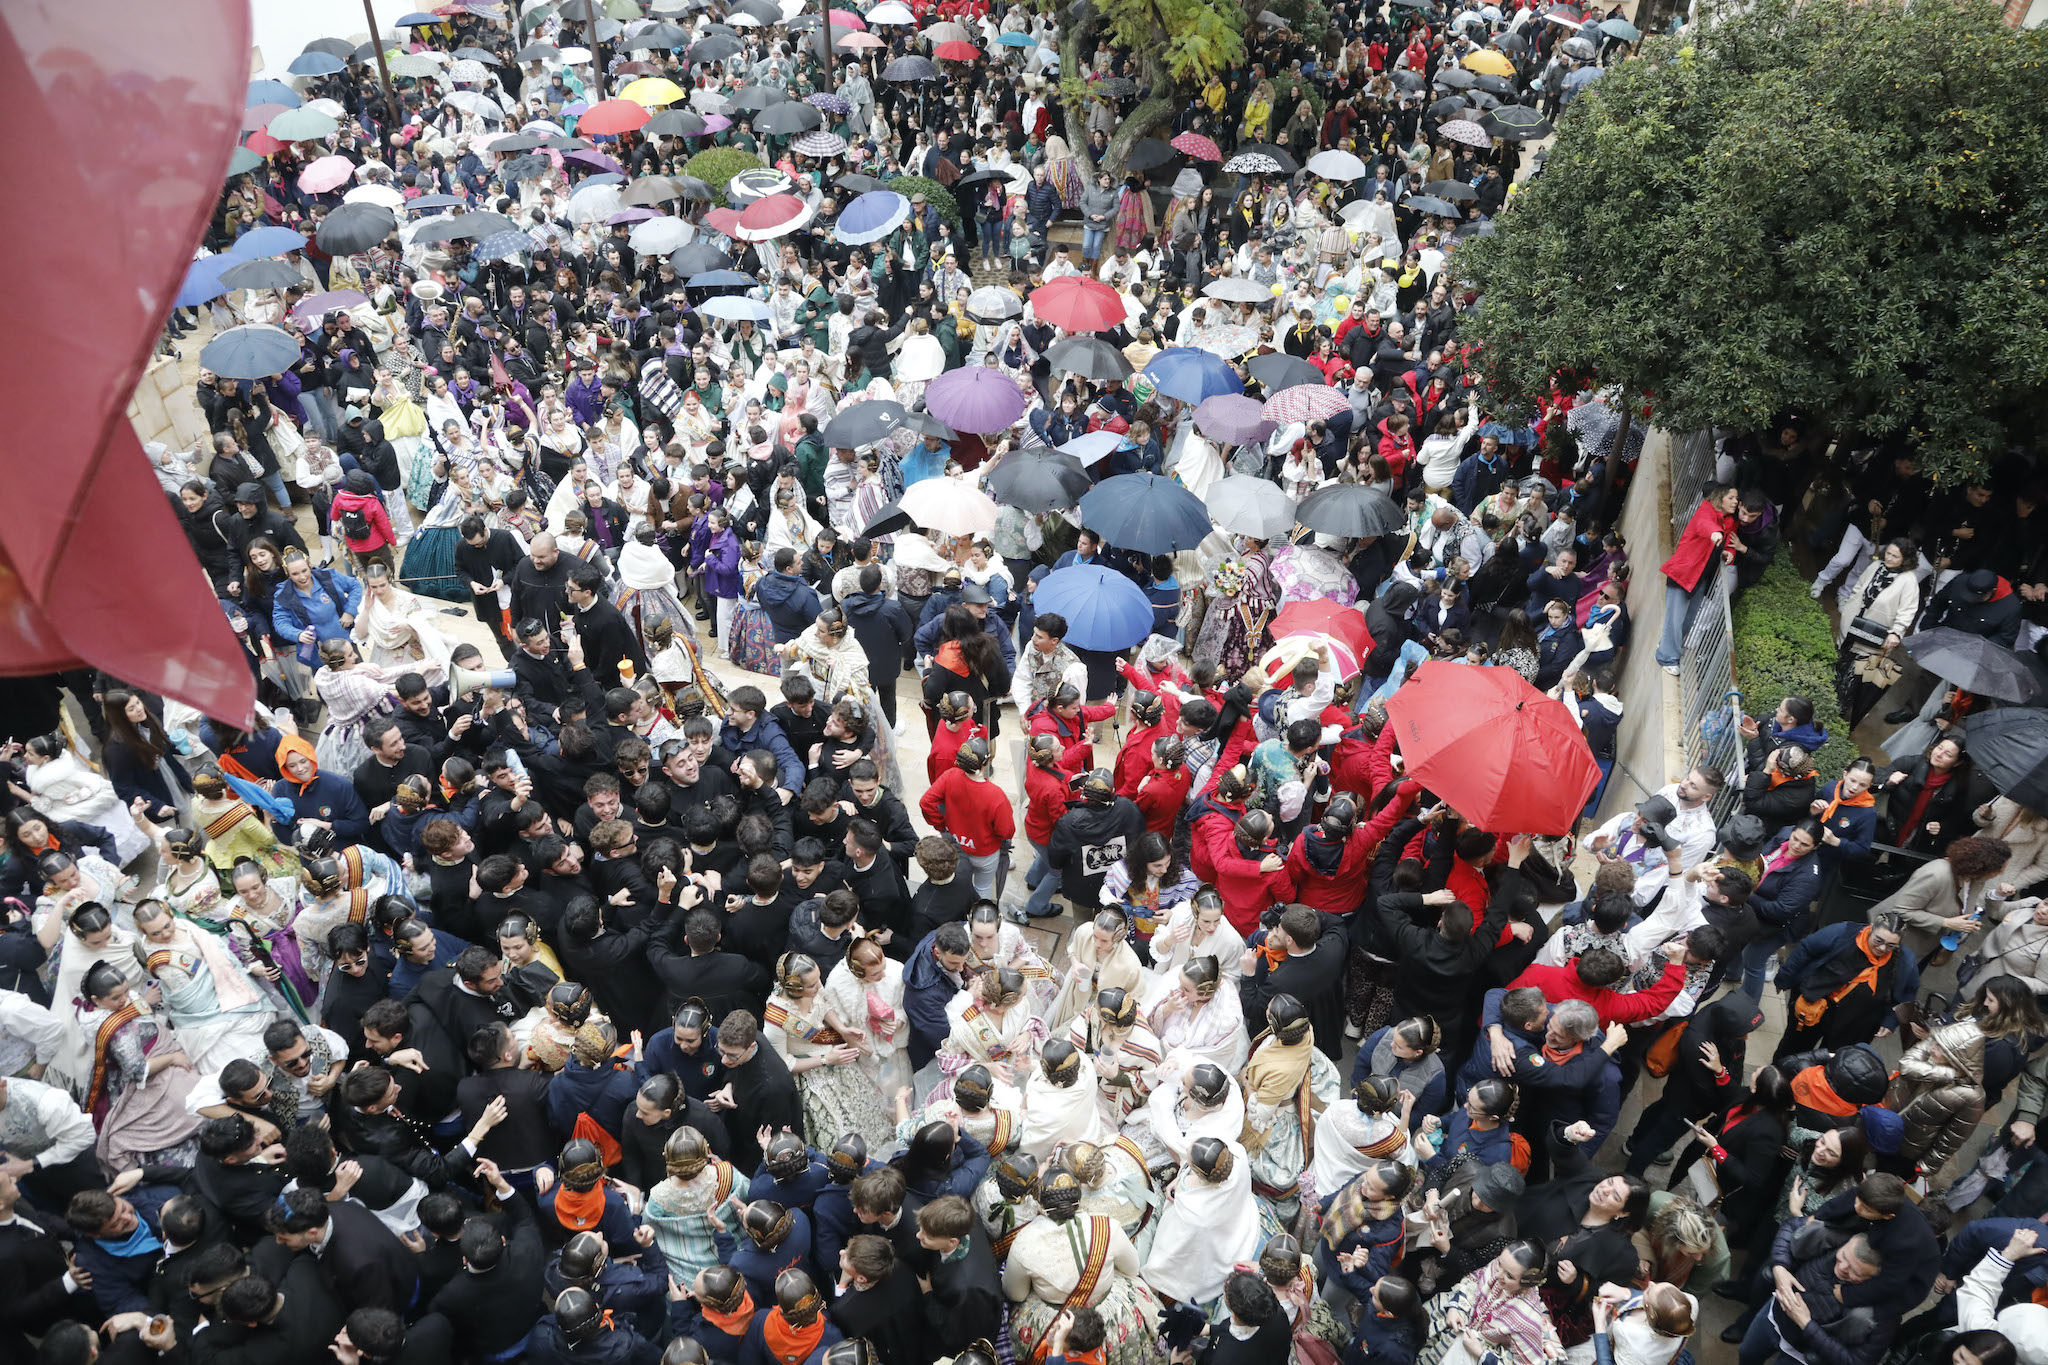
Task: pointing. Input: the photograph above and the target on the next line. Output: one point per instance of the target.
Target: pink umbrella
(1195, 145)
(860, 40)
(259, 116)
(1309, 571)
(846, 18)
(329, 172)
(775, 215)
(319, 305)
(1305, 403)
(975, 399)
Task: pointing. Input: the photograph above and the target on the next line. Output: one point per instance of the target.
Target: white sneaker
(1672, 669)
(1818, 589)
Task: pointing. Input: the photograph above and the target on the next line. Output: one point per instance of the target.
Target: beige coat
(1894, 608)
(1931, 895)
(2025, 832)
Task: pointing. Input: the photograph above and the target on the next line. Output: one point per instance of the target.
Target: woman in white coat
(62, 787)
(1878, 614)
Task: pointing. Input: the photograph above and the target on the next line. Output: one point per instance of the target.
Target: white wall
(282, 28)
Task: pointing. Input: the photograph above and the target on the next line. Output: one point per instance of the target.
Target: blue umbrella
(315, 64)
(1093, 446)
(1585, 75)
(202, 281)
(268, 240)
(717, 279)
(1017, 40)
(1104, 609)
(254, 351)
(503, 246)
(871, 217)
(272, 92)
(735, 308)
(1191, 375)
(243, 161)
(1147, 512)
(413, 19)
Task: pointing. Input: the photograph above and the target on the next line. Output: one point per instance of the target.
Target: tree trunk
(1152, 111)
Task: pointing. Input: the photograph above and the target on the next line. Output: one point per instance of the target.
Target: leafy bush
(1287, 90)
(1785, 644)
(935, 194)
(716, 165)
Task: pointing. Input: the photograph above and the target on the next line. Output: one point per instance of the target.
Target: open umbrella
(1087, 356)
(1309, 572)
(327, 173)
(1581, 47)
(952, 507)
(1252, 163)
(1038, 481)
(1237, 289)
(1457, 191)
(789, 117)
(975, 398)
(355, 227)
(957, 51)
(1146, 512)
(1516, 123)
(1305, 403)
(720, 279)
(2010, 746)
(776, 215)
(1079, 303)
(1191, 375)
(910, 69)
(675, 123)
(254, 351)
(1423, 203)
(301, 125)
(1467, 132)
(202, 281)
(1500, 753)
(1488, 62)
(1613, 28)
(268, 240)
(1351, 509)
(924, 424)
(265, 273)
(1971, 662)
(1336, 165)
(695, 258)
(1197, 146)
(993, 303)
(652, 91)
(734, 308)
(818, 143)
(862, 424)
(1148, 155)
(650, 190)
(1322, 616)
(502, 246)
(315, 64)
(375, 194)
(658, 236)
(871, 216)
(1250, 506)
(1104, 609)
(272, 92)
(1278, 371)
(1501, 86)
(1233, 420)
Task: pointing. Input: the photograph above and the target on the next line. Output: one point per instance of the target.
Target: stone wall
(162, 408)
(1648, 752)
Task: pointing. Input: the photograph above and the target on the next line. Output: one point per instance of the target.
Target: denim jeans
(274, 481)
(1091, 241)
(1043, 881)
(1679, 607)
(1761, 1342)
(1756, 960)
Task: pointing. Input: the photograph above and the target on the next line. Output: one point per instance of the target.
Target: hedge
(1785, 644)
(935, 194)
(716, 165)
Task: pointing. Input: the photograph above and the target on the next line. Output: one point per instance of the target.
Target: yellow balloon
(1277, 290)
(1342, 303)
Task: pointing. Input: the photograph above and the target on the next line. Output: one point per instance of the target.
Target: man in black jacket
(965, 1299)
(1258, 1331)
(880, 1301)
(884, 631)
(685, 956)
(487, 559)
(607, 637)
(612, 962)
(236, 1175)
(495, 1300)
(759, 1091)
(391, 760)
(33, 1267)
(253, 519)
(1439, 965)
(364, 1260)
(870, 341)
(540, 584)
(1316, 948)
(549, 681)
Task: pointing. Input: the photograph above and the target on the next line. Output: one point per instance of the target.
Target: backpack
(355, 526)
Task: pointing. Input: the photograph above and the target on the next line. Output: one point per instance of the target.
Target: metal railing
(1709, 701)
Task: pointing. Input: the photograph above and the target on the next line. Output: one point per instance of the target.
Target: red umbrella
(263, 144)
(613, 116)
(1321, 616)
(726, 221)
(1195, 145)
(1079, 303)
(772, 216)
(94, 570)
(1503, 755)
(957, 51)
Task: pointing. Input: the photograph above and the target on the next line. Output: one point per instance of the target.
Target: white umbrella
(891, 12)
(412, 64)
(951, 506)
(707, 101)
(541, 125)
(328, 107)
(594, 203)
(1237, 289)
(658, 236)
(375, 194)
(474, 102)
(1336, 165)
(467, 70)
(573, 56)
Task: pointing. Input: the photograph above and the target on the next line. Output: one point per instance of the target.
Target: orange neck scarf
(1811, 1089)
(790, 1345)
(1863, 798)
(733, 1324)
(1560, 1056)
(1274, 956)
(1809, 1012)
(579, 1210)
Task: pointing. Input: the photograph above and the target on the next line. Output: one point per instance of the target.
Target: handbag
(1869, 631)
(1880, 669)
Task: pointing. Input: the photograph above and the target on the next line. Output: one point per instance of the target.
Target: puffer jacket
(1939, 1093)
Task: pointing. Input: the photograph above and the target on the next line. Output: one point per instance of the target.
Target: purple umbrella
(320, 304)
(976, 399)
(1233, 419)
(716, 123)
(633, 215)
(597, 159)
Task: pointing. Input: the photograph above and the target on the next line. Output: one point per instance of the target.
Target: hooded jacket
(359, 494)
(1939, 1093)
(791, 604)
(883, 629)
(1087, 839)
(1996, 617)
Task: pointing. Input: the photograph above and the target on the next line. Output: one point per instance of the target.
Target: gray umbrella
(696, 258)
(1351, 509)
(789, 117)
(355, 227)
(1039, 481)
(254, 351)
(263, 274)
(675, 123)
(1090, 357)
(715, 48)
(1971, 662)
(1250, 506)
(757, 97)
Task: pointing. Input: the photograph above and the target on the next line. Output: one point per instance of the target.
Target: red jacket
(1696, 548)
(1077, 755)
(1247, 891)
(947, 741)
(1045, 801)
(1560, 984)
(373, 512)
(1159, 797)
(976, 813)
(1362, 765)
(1340, 892)
(1397, 451)
(1134, 760)
(1212, 828)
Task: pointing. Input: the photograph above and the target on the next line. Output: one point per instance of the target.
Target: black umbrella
(1511, 43)
(756, 97)
(431, 201)
(1517, 123)
(675, 123)
(862, 424)
(333, 47)
(520, 142)
(1351, 509)
(1405, 79)
(924, 424)
(1090, 357)
(1282, 371)
(1457, 191)
(766, 12)
(855, 183)
(978, 177)
(263, 274)
(355, 227)
(665, 37)
(1288, 165)
(690, 187)
(1422, 203)
(538, 52)
(789, 118)
(1456, 78)
(695, 258)
(1497, 85)
(1448, 108)
(889, 519)
(910, 69)
(1149, 153)
(1039, 481)
(477, 54)
(1971, 662)
(715, 48)
(524, 168)
(568, 144)
(1481, 100)
(2010, 746)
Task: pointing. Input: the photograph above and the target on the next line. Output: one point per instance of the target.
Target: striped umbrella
(1305, 403)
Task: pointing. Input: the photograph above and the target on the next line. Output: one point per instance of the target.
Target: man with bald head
(540, 585)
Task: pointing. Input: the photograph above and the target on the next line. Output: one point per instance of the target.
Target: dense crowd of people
(623, 992)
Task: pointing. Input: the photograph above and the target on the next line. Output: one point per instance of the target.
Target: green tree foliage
(1179, 45)
(716, 165)
(1785, 646)
(1831, 208)
(935, 194)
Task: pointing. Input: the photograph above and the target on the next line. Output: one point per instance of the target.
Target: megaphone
(466, 680)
